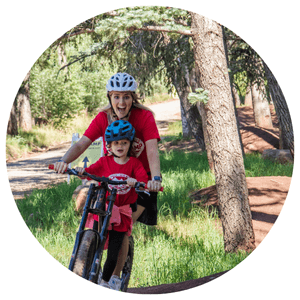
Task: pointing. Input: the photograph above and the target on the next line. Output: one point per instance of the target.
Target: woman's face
(121, 103)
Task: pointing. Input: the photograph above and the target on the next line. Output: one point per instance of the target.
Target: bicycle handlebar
(99, 179)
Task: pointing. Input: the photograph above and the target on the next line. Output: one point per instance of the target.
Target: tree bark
(232, 92)
(24, 105)
(236, 96)
(282, 111)
(261, 109)
(194, 82)
(191, 112)
(248, 96)
(62, 57)
(186, 130)
(223, 135)
(206, 139)
(12, 127)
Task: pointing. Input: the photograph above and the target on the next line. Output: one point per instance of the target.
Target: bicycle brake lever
(139, 191)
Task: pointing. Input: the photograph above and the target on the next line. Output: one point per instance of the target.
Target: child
(119, 165)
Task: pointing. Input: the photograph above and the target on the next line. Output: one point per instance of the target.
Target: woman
(124, 105)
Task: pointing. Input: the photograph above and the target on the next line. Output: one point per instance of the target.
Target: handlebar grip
(51, 167)
(161, 189)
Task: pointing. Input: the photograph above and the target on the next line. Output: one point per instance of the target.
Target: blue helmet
(119, 130)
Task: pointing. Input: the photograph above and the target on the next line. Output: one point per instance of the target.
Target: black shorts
(149, 215)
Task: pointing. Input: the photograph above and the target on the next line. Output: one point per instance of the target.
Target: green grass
(256, 166)
(50, 216)
(174, 132)
(44, 136)
(182, 173)
(180, 249)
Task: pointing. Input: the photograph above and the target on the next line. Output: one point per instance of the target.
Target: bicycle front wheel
(85, 254)
(126, 272)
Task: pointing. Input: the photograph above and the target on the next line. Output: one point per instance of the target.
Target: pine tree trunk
(248, 96)
(281, 108)
(232, 92)
(206, 139)
(12, 127)
(194, 83)
(191, 112)
(236, 96)
(261, 109)
(223, 135)
(186, 130)
(24, 105)
(62, 57)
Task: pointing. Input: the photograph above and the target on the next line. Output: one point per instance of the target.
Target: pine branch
(81, 31)
(160, 29)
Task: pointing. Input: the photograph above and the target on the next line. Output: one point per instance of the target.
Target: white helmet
(121, 82)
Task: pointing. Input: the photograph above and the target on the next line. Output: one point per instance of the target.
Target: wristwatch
(60, 160)
(157, 178)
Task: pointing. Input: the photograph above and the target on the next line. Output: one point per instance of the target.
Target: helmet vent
(121, 82)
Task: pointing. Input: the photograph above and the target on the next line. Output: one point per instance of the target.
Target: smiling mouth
(121, 110)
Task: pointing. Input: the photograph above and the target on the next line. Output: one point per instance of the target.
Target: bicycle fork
(102, 236)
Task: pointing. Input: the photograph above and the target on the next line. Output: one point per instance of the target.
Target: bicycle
(89, 244)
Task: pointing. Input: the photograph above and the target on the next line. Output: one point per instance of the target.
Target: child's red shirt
(107, 167)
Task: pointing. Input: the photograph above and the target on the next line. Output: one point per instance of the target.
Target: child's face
(121, 103)
(120, 148)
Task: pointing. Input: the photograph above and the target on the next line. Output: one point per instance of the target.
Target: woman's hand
(131, 182)
(153, 185)
(60, 167)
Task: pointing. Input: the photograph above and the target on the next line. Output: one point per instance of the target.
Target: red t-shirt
(145, 129)
(107, 167)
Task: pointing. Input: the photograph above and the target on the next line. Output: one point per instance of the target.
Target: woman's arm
(74, 152)
(154, 164)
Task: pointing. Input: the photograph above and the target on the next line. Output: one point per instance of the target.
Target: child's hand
(131, 181)
(80, 170)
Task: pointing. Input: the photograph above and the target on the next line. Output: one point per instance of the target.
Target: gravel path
(32, 173)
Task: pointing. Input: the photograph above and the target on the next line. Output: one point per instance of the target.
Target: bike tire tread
(84, 256)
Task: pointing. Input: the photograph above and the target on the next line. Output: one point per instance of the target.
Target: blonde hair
(135, 104)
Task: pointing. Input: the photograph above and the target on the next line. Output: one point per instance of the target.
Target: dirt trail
(32, 173)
